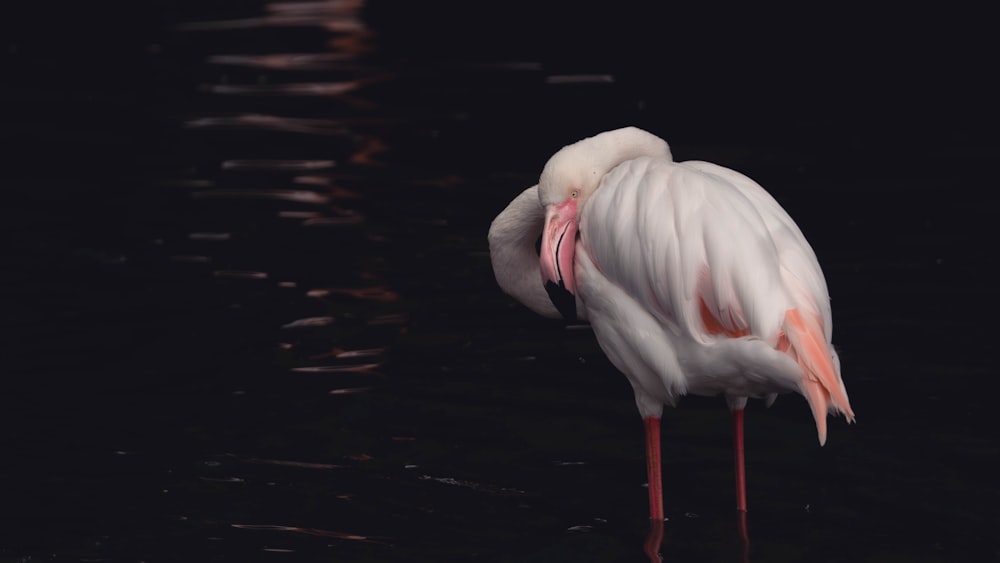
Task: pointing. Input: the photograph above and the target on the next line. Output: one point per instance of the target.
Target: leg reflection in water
(741, 525)
(654, 539)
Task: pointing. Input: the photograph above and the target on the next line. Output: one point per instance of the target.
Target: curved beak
(557, 253)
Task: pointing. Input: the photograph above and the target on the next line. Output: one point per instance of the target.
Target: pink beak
(558, 249)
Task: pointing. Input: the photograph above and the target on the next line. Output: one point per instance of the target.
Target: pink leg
(652, 424)
(741, 478)
(654, 475)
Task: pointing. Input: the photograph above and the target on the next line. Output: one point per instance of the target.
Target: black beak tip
(561, 297)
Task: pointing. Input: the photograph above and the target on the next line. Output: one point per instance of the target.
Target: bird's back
(795, 255)
(672, 236)
(718, 264)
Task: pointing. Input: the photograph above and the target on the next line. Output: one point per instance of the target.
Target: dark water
(249, 313)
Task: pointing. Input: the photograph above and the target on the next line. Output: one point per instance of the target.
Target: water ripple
(298, 196)
(240, 274)
(287, 463)
(376, 293)
(309, 531)
(339, 16)
(311, 126)
(349, 390)
(345, 220)
(265, 164)
(290, 61)
(297, 89)
(362, 368)
(473, 485)
(309, 322)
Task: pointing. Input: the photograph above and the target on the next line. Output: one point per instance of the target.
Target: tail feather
(821, 385)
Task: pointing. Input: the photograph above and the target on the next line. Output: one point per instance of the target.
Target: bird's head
(568, 180)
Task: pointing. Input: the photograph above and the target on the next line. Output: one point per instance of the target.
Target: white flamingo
(692, 276)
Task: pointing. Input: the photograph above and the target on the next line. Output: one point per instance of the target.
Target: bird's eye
(574, 194)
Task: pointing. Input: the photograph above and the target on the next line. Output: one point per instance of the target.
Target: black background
(874, 127)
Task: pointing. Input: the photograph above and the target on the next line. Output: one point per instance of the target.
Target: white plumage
(693, 277)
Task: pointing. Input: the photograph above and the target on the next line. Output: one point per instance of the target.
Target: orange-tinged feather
(714, 326)
(803, 341)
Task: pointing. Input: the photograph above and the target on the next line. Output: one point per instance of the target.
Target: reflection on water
(261, 164)
(341, 16)
(298, 61)
(307, 531)
(299, 196)
(284, 339)
(311, 89)
(316, 126)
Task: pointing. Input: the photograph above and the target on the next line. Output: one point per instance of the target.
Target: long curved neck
(512, 250)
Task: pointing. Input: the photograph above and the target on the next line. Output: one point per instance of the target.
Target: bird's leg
(652, 424)
(741, 477)
(653, 473)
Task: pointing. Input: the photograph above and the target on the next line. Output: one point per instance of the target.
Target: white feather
(659, 244)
